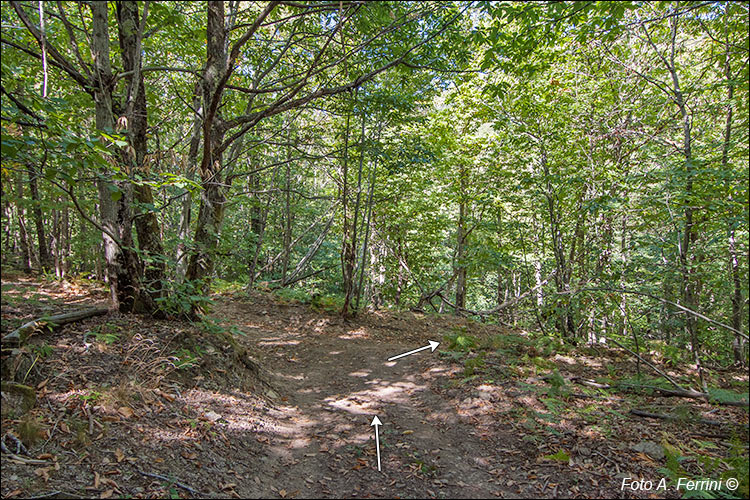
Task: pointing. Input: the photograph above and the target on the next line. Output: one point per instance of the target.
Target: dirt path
(117, 415)
(334, 378)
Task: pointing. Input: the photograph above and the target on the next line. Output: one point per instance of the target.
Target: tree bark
(23, 236)
(365, 242)
(20, 334)
(190, 166)
(114, 197)
(287, 211)
(347, 248)
(212, 199)
(54, 245)
(45, 261)
(738, 343)
(562, 275)
(258, 221)
(146, 222)
(685, 250)
(503, 285)
(460, 266)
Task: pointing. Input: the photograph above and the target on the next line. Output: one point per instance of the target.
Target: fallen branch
(65, 494)
(660, 299)
(666, 377)
(641, 413)
(590, 383)
(502, 306)
(679, 393)
(20, 459)
(19, 335)
(689, 394)
(172, 481)
(301, 278)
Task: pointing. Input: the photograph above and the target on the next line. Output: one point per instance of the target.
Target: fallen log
(677, 393)
(661, 416)
(22, 333)
(689, 394)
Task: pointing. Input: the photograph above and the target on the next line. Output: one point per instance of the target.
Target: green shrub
(474, 364)
(734, 467)
(327, 303)
(185, 358)
(179, 299)
(208, 325)
(42, 350)
(460, 340)
(107, 333)
(292, 296)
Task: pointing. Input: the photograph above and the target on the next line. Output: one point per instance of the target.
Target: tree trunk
(146, 222)
(562, 279)
(23, 236)
(738, 343)
(377, 268)
(503, 286)
(460, 266)
(365, 241)
(190, 166)
(212, 199)
(8, 216)
(208, 228)
(351, 256)
(65, 241)
(400, 276)
(685, 250)
(55, 242)
(287, 212)
(44, 256)
(258, 219)
(347, 248)
(114, 197)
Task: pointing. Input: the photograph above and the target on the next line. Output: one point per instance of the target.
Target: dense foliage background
(578, 168)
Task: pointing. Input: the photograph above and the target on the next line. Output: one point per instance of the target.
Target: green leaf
(560, 456)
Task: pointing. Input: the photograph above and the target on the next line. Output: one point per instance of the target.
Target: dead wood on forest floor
(22, 333)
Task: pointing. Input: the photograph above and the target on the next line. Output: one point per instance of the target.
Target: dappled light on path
(445, 432)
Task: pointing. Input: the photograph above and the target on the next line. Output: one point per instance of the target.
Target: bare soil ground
(132, 407)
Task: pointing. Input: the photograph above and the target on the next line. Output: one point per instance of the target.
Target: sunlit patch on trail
(380, 391)
(272, 342)
(288, 376)
(360, 333)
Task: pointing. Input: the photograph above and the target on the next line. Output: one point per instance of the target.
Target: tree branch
(282, 105)
(64, 63)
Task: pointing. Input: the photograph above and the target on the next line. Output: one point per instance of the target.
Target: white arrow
(376, 422)
(433, 345)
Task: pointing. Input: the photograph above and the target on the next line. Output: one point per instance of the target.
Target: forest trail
(439, 438)
(137, 407)
(334, 377)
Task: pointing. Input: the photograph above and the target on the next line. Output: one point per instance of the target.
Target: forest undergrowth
(270, 397)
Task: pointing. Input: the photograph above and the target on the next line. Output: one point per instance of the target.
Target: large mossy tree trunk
(213, 196)
(115, 197)
(146, 223)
